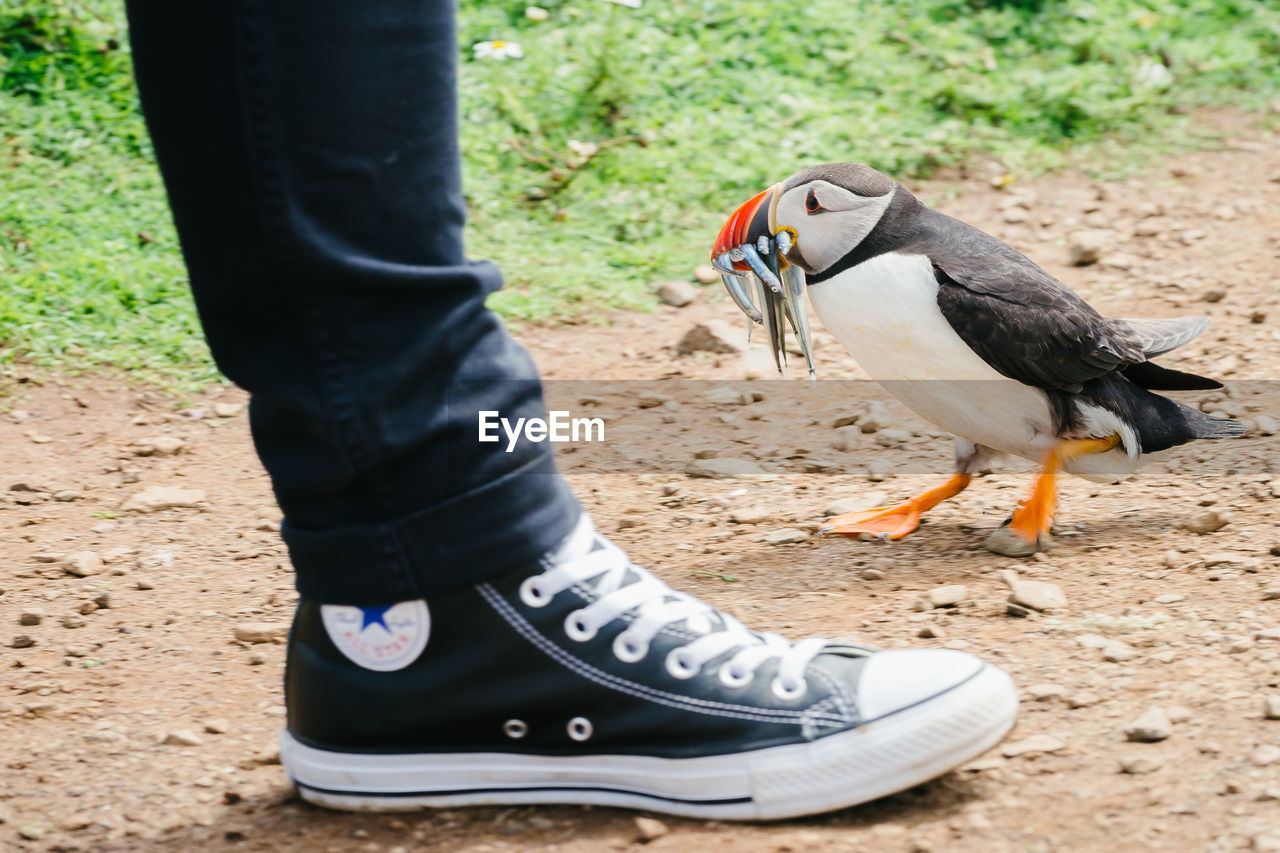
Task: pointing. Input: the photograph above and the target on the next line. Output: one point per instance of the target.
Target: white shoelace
(621, 586)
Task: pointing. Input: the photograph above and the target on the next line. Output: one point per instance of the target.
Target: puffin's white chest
(885, 312)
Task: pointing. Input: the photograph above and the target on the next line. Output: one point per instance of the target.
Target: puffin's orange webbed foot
(1033, 518)
(894, 522)
(881, 522)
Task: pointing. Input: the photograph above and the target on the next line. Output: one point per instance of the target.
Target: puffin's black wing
(1019, 319)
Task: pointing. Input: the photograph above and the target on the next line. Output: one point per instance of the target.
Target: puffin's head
(805, 224)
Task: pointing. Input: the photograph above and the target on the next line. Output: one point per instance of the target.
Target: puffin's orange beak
(750, 254)
(748, 224)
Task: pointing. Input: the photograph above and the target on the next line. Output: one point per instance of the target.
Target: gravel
(677, 293)
(1139, 765)
(1006, 543)
(158, 445)
(1118, 652)
(82, 564)
(726, 468)
(1034, 744)
(712, 336)
(182, 737)
(854, 504)
(1205, 522)
(750, 515)
(947, 596)
(1045, 692)
(1085, 247)
(1151, 727)
(705, 274)
(786, 536)
(260, 632)
(1034, 595)
(157, 498)
(650, 828)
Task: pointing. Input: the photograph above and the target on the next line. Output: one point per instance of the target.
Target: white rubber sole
(878, 758)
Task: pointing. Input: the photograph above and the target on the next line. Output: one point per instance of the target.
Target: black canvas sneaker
(591, 681)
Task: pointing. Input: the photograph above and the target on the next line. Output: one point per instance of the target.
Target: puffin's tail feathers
(1206, 427)
(1160, 336)
(1153, 377)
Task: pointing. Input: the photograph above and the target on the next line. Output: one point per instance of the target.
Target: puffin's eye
(811, 202)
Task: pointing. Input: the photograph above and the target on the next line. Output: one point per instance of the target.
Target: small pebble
(1265, 755)
(182, 737)
(1032, 745)
(1206, 522)
(725, 468)
(1152, 726)
(1006, 543)
(1117, 652)
(1035, 595)
(1138, 765)
(677, 293)
(1046, 692)
(712, 336)
(82, 564)
(705, 274)
(948, 596)
(786, 536)
(750, 515)
(260, 632)
(650, 828)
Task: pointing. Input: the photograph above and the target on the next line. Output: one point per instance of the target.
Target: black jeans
(310, 154)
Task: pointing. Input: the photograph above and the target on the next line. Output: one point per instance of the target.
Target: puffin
(964, 330)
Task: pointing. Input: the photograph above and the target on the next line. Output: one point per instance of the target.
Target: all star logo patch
(383, 638)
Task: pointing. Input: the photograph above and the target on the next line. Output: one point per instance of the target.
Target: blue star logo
(374, 616)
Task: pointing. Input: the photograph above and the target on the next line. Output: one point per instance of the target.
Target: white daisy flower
(1153, 74)
(497, 50)
(630, 4)
(536, 13)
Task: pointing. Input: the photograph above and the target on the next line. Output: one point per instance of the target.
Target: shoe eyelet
(786, 690)
(515, 729)
(576, 628)
(628, 649)
(580, 729)
(729, 678)
(679, 666)
(534, 595)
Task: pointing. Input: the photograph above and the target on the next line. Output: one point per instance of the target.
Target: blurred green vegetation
(607, 156)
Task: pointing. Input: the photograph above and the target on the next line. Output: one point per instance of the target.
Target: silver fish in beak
(751, 257)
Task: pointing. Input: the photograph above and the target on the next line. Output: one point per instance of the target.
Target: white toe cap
(898, 679)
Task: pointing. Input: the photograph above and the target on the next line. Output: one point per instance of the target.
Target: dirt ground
(133, 718)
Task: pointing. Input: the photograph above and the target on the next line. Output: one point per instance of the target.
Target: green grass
(691, 105)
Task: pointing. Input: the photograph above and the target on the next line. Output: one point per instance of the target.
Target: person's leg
(310, 155)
